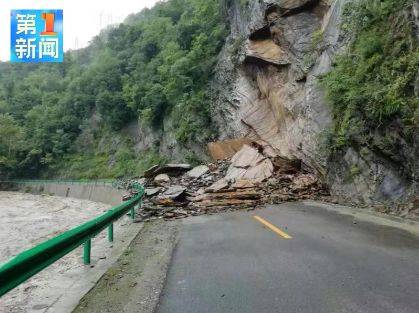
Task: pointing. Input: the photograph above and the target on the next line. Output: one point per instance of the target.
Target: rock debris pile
(254, 176)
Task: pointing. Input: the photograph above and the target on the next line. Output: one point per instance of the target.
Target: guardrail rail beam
(32, 261)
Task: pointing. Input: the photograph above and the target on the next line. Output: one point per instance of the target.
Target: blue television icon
(36, 36)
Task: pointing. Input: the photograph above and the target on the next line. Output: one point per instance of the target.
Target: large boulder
(249, 164)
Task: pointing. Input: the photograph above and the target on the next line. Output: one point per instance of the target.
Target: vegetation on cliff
(156, 64)
(372, 85)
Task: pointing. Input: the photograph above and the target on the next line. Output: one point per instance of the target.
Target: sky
(83, 19)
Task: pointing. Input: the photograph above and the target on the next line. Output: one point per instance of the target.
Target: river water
(26, 220)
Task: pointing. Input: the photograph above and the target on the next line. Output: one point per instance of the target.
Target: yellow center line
(272, 227)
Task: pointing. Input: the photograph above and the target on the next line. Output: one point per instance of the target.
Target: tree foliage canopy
(157, 63)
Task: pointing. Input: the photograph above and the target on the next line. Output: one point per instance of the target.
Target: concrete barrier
(93, 191)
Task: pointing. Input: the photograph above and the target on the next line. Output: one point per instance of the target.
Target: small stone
(142, 181)
(162, 179)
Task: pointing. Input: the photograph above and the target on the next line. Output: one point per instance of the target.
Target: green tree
(12, 144)
(156, 65)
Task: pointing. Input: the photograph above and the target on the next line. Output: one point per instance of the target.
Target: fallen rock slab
(173, 196)
(175, 169)
(250, 164)
(172, 169)
(247, 156)
(173, 192)
(229, 195)
(152, 191)
(150, 173)
(258, 172)
(197, 171)
(218, 185)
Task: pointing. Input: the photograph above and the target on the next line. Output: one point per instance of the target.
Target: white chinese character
(25, 49)
(48, 47)
(26, 24)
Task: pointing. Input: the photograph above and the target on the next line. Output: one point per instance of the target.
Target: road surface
(333, 263)
(293, 257)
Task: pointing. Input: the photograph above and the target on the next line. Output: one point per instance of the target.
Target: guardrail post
(133, 212)
(87, 247)
(110, 232)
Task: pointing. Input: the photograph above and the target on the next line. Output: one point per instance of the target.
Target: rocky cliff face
(267, 88)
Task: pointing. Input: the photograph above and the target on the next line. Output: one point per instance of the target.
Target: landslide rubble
(252, 177)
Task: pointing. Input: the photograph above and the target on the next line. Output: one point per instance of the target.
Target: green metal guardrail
(32, 261)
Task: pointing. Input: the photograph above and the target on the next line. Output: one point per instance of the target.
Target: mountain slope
(155, 67)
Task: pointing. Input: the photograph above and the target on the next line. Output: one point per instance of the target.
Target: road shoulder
(369, 215)
(134, 282)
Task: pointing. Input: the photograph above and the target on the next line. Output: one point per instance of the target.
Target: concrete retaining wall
(97, 192)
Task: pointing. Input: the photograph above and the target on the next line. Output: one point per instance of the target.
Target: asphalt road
(333, 263)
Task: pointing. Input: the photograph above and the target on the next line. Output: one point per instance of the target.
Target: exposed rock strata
(267, 90)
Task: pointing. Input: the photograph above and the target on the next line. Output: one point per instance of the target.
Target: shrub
(372, 83)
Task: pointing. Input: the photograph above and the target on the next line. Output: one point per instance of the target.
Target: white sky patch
(83, 19)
